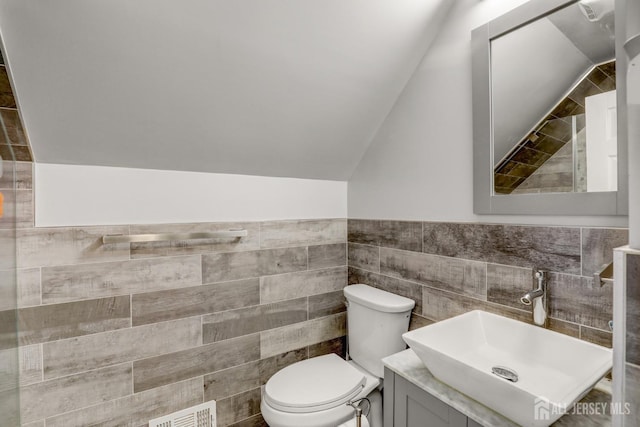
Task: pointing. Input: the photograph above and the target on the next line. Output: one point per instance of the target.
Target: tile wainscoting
(117, 334)
(451, 268)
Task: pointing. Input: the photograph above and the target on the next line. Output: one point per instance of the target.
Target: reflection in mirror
(553, 103)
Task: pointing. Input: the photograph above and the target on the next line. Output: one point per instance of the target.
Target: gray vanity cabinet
(406, 405)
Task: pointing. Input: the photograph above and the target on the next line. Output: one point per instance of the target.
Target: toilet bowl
(316, 392)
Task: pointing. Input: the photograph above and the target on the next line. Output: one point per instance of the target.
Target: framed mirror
(549, 110)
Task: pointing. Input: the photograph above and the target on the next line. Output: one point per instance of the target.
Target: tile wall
(15, 138)
(451, 268)
(117, 334)
(524, 168)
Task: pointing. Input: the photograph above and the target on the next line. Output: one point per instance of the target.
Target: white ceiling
(291, 88)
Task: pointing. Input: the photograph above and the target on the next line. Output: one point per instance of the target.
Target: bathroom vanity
(414, 398)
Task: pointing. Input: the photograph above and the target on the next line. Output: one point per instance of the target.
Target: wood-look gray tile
(238, 407)
(405, 235)
(458, 275)
(440, 305)
(278, 234)
(10, 372)
(571, 329)
(10, 407)
(75, 282)
(228, 382)
(287, 338)
(39, 247)
(134, 410)
(337, 346)
(418, 322)
(302, 284)
(325, 256)
(23, 176)
(7, 249)
(200, 246)
(25, 212)
(326, 304)
(8, 290)
(547, 248)
(579, 300)
(8, 333)
(18, 209)
(405, 288)
(13, 127)
(27, 291)
(632, 391)
(80, 354)
(237, 379)
(169, 368)
(596, 336)
(598, 245)
(249, 320)
(241, 265)
(171, 304)
(20, 367)
(507, 284)
(73, 392)
(365, 257)
(255, 421)
(53, 322)
(30, 359)
(270, 365)
(633, 309)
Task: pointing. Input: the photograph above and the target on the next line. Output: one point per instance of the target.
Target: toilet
(315, 392)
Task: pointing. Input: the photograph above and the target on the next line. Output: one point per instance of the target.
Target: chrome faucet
(538, 297)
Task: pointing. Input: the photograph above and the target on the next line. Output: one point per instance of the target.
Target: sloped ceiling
(292, 88)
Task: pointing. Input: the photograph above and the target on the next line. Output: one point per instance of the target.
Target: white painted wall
(420, 166)
(67, 195)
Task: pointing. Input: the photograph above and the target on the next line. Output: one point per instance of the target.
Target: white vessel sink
(553, 370)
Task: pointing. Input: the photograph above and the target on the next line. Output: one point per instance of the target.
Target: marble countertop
(409, 366)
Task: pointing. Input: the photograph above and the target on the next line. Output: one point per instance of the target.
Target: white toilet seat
(291, 405)
(314, 384)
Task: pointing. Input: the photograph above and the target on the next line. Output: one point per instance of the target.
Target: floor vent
(203, 415)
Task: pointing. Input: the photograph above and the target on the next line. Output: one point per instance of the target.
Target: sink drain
(506, 373)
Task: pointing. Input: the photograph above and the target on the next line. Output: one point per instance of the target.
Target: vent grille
(203, 415)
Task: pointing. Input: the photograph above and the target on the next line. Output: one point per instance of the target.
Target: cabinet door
(416, 408)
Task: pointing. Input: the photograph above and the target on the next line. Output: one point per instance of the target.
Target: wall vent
(203, 415)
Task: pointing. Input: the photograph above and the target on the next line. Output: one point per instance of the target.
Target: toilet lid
(314, 384)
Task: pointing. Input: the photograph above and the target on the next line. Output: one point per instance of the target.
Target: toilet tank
(376, 320)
